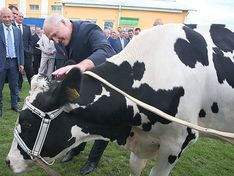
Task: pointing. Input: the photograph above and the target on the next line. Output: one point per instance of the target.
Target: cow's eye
(26, 125)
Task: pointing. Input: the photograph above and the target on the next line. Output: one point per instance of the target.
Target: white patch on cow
(17, 163)
(38, 84)
(131, 103)
(229, 55)
(80, 136)
(104, 93)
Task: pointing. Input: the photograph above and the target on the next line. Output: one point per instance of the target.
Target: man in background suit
(86, 45)
(11, 57)
(120, 43)
(15, 12)
(27, 40)
(36, 51)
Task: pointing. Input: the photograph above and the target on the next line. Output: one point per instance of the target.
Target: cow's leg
(136, 165)
(171, 148)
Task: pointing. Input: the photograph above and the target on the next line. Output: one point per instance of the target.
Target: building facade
(106, 13)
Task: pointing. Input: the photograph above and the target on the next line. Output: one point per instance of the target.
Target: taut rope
(224, 135)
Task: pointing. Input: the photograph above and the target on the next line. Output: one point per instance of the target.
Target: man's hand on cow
(86, 64)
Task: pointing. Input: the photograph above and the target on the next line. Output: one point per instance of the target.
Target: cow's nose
(8, 163)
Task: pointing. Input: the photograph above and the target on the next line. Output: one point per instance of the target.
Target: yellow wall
(33, 13)
(146, 18)
(53, 2)
(16, 2)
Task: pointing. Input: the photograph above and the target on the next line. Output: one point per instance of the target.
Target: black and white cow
(187, 72)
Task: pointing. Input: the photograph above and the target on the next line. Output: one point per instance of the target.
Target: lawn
(208, 157)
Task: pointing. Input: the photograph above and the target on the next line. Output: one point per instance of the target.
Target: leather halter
(46, 118)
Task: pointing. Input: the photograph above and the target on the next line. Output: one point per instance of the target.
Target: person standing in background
(120, 43)
(107, 33)
(36, 51)
(130, 34)
(137, 31)
(11, 57)
(48, 52)
(15, 12)
(27, 40)
(158, 21)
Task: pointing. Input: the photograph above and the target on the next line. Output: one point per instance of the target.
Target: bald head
(6, 16)
(58, 29)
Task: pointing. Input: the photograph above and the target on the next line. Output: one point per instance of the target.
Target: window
(129, 21)
(34, 7)
(108, 24)
(75, 19)
(92, 20)
(16, 5)
(56, 8)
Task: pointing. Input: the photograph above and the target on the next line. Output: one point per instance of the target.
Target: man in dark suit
(107, 33)
(11, 56)
(87, 46)
(36, 51)
(120, 43)
(27, 40)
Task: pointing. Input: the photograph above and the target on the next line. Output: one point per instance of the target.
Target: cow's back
(198, 60)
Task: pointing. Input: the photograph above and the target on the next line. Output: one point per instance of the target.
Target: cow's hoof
(89, 167)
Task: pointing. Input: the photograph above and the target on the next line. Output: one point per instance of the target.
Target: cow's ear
(71, 85)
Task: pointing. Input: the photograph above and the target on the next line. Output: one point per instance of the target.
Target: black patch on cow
(193, 49)
(147, 126)
(223, 38)
(202, 113)
(136, 120)
(192, 26)
(215, 108)
(172, 159)
(138, 70)
(191, 136)
(131, 134)
(224, 67)
(165, 100)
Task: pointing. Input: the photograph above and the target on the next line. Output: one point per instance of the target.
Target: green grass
(208, 157)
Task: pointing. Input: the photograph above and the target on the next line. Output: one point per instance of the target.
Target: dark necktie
(19, 26)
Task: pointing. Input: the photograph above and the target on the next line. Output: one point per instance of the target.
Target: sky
(210, 11)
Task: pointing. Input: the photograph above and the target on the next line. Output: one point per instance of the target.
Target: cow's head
(47, 100)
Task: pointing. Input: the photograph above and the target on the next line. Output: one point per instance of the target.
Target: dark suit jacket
(35, 39)
(117, 45)
(27, 38)
(88, 41)
(18, 46)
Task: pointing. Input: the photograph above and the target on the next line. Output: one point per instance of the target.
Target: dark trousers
(36, 62)
(28, 67)
(10, 71)
(96, 152)
(20, 82)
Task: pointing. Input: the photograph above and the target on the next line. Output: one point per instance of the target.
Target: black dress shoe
(69, 155)
(89, 167)
(14, 108)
